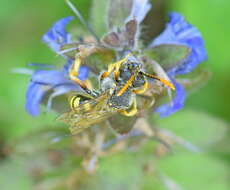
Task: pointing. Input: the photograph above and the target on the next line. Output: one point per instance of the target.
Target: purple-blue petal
(176, 104)
(56, 77)
(83, 73)
(178, 31)
(34, 95)
(49, 77)
(57, 35)
(139, 10)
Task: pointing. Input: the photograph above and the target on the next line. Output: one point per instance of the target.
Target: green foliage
(168, 55)
(98, 16)
(199, 172)
(197, 127)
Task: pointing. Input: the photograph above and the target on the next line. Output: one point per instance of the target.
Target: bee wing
(89, 119)
(87, 114)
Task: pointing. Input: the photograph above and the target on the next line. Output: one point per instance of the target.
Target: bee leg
(132, 111)
(128, 83)
(73, 73)
(114, 67)
(142, 90)
(105, 74)
(116, 75)
(84, 87)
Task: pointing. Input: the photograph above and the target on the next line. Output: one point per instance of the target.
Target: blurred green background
(23, 22)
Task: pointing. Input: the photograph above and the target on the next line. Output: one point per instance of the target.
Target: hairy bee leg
(73, 73)
(84, 51)
(117, 65)
(114, 67)
(105, 74)
(84, 87)
(142, 90)
(132, 111)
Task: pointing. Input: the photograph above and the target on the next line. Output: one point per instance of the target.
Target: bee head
(132, 65)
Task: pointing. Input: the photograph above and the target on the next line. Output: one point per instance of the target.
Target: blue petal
(34, 95)
(83, 73)
(49, 77)
(55, 77)
(140, 8)
(178, 31)
(57, 35)
(176, 104)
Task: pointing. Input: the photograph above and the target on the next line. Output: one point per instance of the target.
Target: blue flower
(57, 35)
(178, 31)
(54, 82)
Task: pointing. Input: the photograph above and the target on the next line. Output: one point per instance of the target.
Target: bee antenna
(165, 82)
(82, 20)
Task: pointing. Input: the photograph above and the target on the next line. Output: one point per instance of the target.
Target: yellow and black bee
(117, 94)
(87, 110)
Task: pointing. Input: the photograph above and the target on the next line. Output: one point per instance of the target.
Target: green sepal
(168, 55)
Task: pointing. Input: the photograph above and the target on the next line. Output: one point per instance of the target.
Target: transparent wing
(87, 114)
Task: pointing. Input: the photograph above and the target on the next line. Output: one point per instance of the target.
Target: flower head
(177, 32)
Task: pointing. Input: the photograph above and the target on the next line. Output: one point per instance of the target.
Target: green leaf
(113, 175)
(98, 13)
(168, 55)
(14, 170)
(197, 127)
(196, 171)
(42, 140)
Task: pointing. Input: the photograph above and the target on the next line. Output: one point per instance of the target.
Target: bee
(92, 107)
(116, 94)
